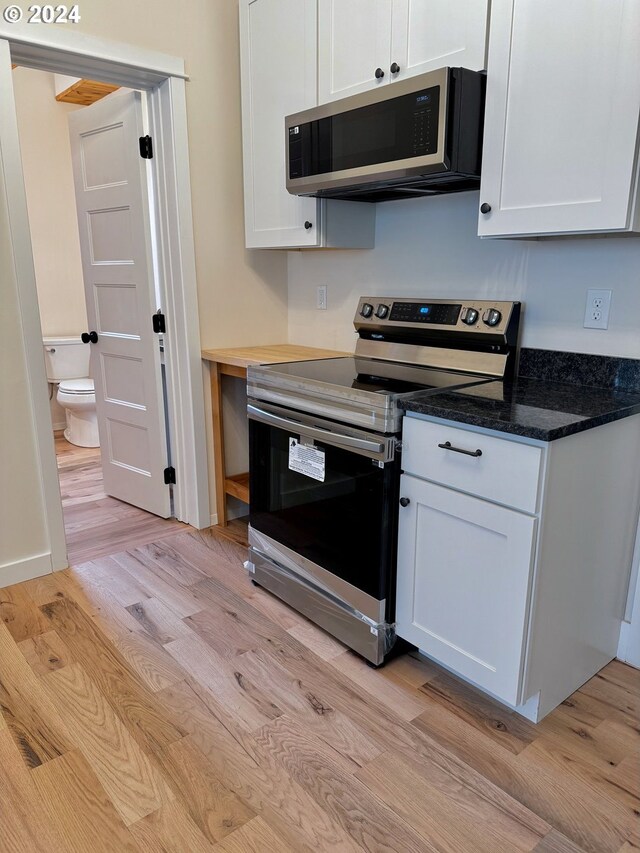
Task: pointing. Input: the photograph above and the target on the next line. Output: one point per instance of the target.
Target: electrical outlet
(596, 315)
(321, 297)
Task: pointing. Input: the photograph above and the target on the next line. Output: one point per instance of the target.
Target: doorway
(163, 79)
(96, 522)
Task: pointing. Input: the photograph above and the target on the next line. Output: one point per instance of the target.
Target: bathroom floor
(96, 524)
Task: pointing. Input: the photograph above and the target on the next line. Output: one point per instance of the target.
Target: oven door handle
(257, 414)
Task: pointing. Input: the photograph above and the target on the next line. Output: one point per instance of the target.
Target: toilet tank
(66, 358)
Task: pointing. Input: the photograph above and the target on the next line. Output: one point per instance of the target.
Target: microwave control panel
(425, 121)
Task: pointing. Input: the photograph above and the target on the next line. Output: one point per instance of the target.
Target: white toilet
(67, 362)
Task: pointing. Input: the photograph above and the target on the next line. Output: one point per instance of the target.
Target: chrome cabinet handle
(448, 446)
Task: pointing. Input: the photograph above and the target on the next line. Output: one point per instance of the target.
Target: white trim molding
(177, 269)
(11, 164)
(66, 51)
(25, 570)
(629, 645)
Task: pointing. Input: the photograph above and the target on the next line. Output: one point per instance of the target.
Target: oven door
(338, 521)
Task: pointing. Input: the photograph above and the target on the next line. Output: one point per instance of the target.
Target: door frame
(59, 50)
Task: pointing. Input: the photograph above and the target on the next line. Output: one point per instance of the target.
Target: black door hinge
(170, 476)
(159, 325)
(146, 147)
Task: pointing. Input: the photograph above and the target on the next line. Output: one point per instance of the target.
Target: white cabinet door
(429, 34)
(354, 40)
(561, 121)
(464, 568)
(278, 51)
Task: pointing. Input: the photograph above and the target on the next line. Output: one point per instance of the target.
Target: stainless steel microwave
(413, 137)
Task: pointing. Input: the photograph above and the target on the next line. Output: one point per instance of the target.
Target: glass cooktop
(374, 375)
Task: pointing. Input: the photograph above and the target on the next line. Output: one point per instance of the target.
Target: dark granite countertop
(531, 408)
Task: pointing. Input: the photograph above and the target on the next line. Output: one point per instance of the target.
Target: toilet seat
(77, 387)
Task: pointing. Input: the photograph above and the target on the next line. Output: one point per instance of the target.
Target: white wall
(429, 247)
(24, 541)
(48, 179)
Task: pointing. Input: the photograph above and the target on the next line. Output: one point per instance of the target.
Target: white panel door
(561, 121)
(115, 239)
(354, 40)
(464, 568)
(279, 72)
(429, 34)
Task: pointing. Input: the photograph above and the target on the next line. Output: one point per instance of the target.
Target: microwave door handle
(257, 414)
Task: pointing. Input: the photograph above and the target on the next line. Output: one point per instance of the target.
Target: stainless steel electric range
(325, 455)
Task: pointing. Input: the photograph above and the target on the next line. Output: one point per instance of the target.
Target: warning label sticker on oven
(306, 459)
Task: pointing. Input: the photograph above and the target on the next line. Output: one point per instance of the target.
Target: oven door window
(344, 524)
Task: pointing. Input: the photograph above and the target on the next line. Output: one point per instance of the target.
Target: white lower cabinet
(463, 591)
(514, 562)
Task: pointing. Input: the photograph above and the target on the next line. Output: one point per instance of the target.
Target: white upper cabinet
(278, 58)
(429, 34)
(561, 121)
(368, 43)
(354, 43)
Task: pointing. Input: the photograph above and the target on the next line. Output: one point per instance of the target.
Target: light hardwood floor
(154, 700)
(96, 524)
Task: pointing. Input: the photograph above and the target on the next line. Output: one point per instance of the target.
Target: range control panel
(477, 315)
(425, 312)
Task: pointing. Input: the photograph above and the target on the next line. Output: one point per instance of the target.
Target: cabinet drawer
(506, 472)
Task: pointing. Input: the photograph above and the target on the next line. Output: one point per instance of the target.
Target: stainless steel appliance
(324, 440)
(419, 136)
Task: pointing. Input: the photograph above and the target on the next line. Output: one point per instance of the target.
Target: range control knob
(367, 310)
(381, 311)
(491, 317)
(470, 316)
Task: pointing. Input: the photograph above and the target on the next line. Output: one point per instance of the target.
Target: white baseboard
(25, 570)
(629, 646)
(59, 426)
(214, 519)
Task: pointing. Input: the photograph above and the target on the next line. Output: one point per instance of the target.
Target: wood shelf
(86, 92)
(238, 486)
